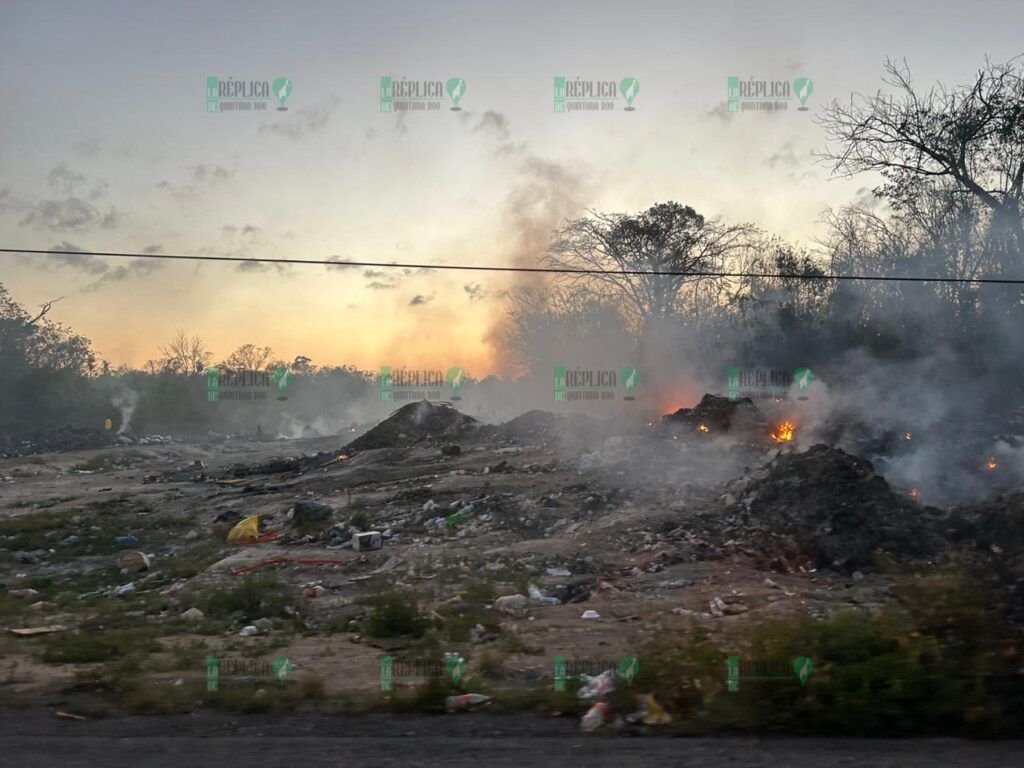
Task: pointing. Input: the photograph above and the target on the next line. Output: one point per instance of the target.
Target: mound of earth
(422, 421)
(55, 439)
(720, 414)
(836, 509)
(544, 428)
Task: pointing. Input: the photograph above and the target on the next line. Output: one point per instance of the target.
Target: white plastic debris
(590, 614)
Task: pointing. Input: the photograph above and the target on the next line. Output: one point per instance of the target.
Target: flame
(703, 428)
(784, 433)
(913, 493)
(342, 456)
(992, 464)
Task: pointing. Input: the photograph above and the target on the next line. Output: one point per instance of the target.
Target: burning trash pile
(415, 424)
(714, 415)
(829, 509)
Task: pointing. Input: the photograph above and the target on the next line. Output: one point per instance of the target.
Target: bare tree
(970, 136)
(667, 237)
(184, 354)
(249, 357)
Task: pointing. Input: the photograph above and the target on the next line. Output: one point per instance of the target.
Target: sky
(106, 144)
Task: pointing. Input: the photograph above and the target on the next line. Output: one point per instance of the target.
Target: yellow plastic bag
(245, 531)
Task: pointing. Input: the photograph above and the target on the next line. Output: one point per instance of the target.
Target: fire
(342, 456)
(913, 493)
(703, 427)
(784, 433)
(992, 464)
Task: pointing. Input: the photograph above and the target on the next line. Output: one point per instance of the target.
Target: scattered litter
(264, 624)
(316, 591)
(125, 589)
(133, 561)
(126, 541)
(308, 512)
(27, 592)
(540, 598)
(595, 717)
(367, 541)
(651, 713)
(465, 701)
(512, 603)
(559, 572)
(245, 532)
(69, 715)
(193, 615)
(33, 631)
(716, 606)
(590, 614)
(248, 631)
(598, 685)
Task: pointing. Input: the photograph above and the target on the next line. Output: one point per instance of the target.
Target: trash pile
(546, 429)
(55, 439)
(720, 414)
(416, 423)
(829, 506)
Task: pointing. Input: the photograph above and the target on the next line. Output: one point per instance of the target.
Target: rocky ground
(508, 545)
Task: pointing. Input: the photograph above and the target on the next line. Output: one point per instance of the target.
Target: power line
(545, 270)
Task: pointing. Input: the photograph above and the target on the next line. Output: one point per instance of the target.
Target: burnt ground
(34, 739)
(663, 532)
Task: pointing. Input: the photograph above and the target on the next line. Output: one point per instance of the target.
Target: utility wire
(546, 270)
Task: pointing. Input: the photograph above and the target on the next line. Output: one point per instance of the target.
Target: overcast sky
(106, 144)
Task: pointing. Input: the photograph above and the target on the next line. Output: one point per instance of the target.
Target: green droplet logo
(804, 88)
(803, 378)
(456, 378)
(282, 88)
(630, 378)
(803, 668)
(629, 666)
(280, 377)
(282, 665)
(629, 88)
(456, 88)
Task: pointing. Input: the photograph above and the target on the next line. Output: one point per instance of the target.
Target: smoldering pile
(826, 508)
(57, 439)
(416, 424)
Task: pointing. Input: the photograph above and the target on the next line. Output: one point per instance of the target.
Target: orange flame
(703, 427)
(784, 433)
(913, 493)
(992, 464)
(342, 456)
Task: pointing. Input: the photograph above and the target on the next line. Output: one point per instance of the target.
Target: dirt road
(36, 739)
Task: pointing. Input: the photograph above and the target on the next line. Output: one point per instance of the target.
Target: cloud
(155, 248)
(337, 262)
(785, 157)
(721, 113)
(419, 298)
(71, 213)
(204, 177)
(134, 269)
(99, 267)
(376, 285)
(304, 121)
(65, 181)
